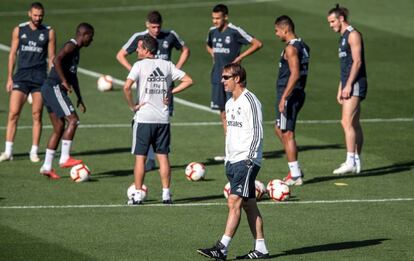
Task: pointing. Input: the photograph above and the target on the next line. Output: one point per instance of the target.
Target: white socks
(34, 150)
(225, 240)
(9, 148)
(294, 169)
(64, 154)
(166, 194)
(261, 246)
(350, 158)
(47, 165)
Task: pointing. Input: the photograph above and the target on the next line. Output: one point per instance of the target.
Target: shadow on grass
(198, 199)
(331, 247)
(18, 245)
(385, 170)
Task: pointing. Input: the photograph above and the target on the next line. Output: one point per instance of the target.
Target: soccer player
(35, 45)
(244, 146)
(224, 44)
(167, 40)
(352, 87)
(61, 80)
(151, 125)
(290, 86)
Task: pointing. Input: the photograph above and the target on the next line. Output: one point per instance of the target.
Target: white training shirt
(244, 137)
(153, 78)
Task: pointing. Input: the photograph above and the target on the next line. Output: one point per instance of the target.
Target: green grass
(312, 231)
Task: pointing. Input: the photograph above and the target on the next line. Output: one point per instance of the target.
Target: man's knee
(73, 121)
(288, 135)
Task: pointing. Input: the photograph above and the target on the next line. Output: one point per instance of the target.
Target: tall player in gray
(352, 87)
(167, 41)
(151, 127)
(224, 44)
(35, 45)
(244, 149)
(293, 72)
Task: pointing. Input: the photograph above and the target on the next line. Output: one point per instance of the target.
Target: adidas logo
(157, 76)
(24, 36)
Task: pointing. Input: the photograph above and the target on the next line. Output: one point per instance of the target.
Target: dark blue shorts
(27, 87)
(219, 96)
(359, 89)
(286, 121)
(145, 135)
(56, 100)
(241, 176)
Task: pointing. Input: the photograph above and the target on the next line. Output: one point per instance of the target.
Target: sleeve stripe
(132, 38)
(181, 41)
(243, 33)
(256, 135)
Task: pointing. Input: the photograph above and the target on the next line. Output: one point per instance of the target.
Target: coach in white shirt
(152, 121)
(244, 142)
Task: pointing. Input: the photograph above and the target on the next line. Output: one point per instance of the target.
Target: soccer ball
(260, 189)
(80, 173)
(278, 190)
(195, 171)
(105, 83)
(131, 191)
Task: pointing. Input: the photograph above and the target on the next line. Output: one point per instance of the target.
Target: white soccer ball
(131, 191)
(195, 171)
(80, 173)
(105, 83)
(30, 98)
(260, 189)
(278, 190)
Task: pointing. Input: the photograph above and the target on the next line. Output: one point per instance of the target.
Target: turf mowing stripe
(115, 9)
(217, 123)
(216, 204)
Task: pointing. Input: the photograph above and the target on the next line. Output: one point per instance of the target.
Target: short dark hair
(285, 21)
(220, 8)
(36, 5)
(84, 27)
(150, 43)
(237, 70)
(339, 11)
(154, 17)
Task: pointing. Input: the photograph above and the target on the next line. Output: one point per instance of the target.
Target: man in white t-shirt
(151, 125)
(244, 146)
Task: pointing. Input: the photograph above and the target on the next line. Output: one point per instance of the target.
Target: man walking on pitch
(352, 87)
(224, 44)
(167, 41)
(61, 80)
(244, 145)
(151, 125)
(293, 72)
(35, 45)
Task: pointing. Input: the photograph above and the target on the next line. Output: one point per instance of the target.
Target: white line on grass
(216, 204)
(216, 123)
(114, 9)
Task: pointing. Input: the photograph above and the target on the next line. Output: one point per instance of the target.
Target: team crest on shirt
(165, 45)
(24, 36)
(227, 40)
(239, 110)
(343, 42)
(41, 37)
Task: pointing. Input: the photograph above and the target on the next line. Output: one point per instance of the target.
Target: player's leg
(66, 161)
(165, 175)
(37, 110)
(58, 124)
(17, 99)
(350, 108)
(139, 175)
(162, 137)
(359, 138)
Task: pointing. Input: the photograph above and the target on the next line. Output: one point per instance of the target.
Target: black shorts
(219, 97)
(27, 87)
(241, 176)
(145, 135)
(286, 121)
(56, 100)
